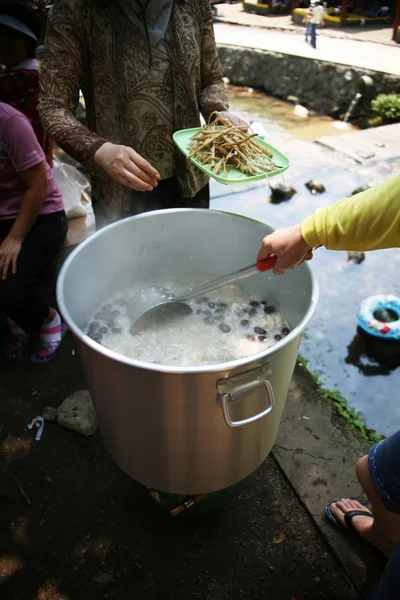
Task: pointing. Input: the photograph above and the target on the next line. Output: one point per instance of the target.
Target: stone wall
(322, 86)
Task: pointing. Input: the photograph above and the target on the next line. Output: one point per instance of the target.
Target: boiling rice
(224, 326)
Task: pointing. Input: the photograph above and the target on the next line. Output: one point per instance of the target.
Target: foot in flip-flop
(351, 515)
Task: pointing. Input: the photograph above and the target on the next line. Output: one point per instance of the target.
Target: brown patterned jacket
(92, 46)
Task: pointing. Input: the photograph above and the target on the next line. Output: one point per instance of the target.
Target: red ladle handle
(267, 263)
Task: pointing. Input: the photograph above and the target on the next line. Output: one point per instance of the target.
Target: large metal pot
(183, 430)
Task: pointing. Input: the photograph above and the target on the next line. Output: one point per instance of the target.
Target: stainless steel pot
(186, 430)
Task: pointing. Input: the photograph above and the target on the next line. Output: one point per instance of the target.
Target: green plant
(342, 407)
(387, 107)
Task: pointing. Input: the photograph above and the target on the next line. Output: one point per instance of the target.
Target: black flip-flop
(348, 518)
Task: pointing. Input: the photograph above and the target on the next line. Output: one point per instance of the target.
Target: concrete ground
(354, 53)
(235, 15)
(74, 527)
(378, 144)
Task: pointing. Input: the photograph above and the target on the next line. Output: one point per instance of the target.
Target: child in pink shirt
(33, 227)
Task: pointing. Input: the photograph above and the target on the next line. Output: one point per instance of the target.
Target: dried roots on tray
(221, 145)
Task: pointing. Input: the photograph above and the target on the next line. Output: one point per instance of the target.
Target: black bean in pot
(285, 331)
(251, 338)
(116, 313)
(199, 311)
(244, 323)
(262, 338)
(269, 310)
(224, 328)
(278, 337)
(208, 313)
(254, 303)
(93, 325)
(259, 330)
(242, 312)
(97, 337)
(252, 312)
(102, 315)
(103, 330)
(209, 320)
(211, 304)
(222, 305)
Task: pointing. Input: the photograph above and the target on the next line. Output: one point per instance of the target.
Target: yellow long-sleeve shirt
(367, 221)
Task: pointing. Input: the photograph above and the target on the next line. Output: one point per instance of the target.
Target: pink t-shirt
(19, 151)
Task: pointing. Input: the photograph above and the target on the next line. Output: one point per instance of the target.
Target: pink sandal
(48, 350)
(16, 346)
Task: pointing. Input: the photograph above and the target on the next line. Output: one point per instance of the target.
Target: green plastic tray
(183, 138)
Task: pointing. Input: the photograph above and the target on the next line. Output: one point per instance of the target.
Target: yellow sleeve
(368, 221)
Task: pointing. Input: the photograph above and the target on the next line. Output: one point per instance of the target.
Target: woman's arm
(35, 183)
(27, 158)
(213, 95)
(368, 221)
(60, 83)
(61, 80)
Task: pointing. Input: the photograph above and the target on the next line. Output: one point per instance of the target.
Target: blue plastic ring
(369, 323)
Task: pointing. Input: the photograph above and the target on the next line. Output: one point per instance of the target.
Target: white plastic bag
(71, 184)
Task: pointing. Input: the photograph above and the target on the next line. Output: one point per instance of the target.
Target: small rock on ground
(280, 192)
(315, 186)
(77, 413)
(355, 257)
(361, 188)
(50, 413)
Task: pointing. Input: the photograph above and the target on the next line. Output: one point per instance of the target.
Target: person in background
(316, 20)
(147, 70)
(19, 80)
(369, 220)
(307, 21)
(33, 227)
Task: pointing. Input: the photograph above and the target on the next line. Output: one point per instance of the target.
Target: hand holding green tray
(183, 140)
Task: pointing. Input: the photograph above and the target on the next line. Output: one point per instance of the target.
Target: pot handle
(225, 408)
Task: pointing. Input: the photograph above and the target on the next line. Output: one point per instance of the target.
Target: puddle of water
(343, 360)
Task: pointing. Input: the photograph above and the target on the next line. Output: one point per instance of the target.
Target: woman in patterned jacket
(147, 68)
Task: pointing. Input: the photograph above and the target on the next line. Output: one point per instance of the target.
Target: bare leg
(50, 316)
(383, 530)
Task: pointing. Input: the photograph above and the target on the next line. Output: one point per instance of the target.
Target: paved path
(354, 53)
(368, 145)
(234, 14)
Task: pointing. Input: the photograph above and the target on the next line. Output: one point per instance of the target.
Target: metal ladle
(156, 305)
